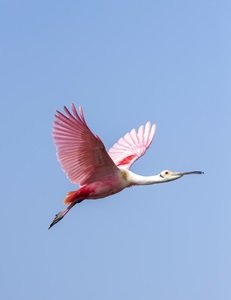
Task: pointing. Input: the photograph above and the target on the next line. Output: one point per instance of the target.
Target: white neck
(135, 179)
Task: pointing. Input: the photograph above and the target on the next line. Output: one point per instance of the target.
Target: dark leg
(62, 213)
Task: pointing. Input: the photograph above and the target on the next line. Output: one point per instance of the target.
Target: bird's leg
(58, 217)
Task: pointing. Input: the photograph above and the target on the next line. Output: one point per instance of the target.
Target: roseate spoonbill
(100, 173)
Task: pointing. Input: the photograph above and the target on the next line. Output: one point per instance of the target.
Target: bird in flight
(99, 172)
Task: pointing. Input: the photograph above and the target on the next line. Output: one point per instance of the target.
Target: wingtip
(153, 126)
(73, 106)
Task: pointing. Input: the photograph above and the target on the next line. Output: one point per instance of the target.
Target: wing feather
(81, 153)
(133, 145)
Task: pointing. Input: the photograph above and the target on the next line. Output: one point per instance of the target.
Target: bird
(98, 172)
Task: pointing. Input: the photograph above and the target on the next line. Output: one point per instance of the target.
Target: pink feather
(81, 153)
(132, 146)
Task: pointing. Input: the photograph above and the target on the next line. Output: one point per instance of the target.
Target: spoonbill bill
(99, 173)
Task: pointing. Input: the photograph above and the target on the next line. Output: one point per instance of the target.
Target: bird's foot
(58, 217)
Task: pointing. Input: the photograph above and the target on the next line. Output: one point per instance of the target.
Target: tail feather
(77, 196)
(70, 197)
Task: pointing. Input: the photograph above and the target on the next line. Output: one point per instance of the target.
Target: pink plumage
(81, 154)
(132, 146)
(85, 160)
(99, 173)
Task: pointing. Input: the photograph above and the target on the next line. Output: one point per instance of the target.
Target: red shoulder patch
(126, 160)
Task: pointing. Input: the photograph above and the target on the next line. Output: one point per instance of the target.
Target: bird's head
(168, 175)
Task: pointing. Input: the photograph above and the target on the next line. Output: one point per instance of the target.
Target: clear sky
(125, 62)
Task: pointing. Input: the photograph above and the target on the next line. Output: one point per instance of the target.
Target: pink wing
(81, 154)
(132, 146)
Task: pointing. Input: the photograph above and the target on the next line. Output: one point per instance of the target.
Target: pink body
(85, 160)
(100, 189)
(100, 173)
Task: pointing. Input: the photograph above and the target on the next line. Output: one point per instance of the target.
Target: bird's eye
(166, 173)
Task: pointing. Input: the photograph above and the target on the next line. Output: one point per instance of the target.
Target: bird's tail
(77, 196)
(71, 197)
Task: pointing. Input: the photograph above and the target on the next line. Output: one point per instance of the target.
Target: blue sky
(125, 62)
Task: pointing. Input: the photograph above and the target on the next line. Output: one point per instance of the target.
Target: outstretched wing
(81, 154)
(132, 146)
